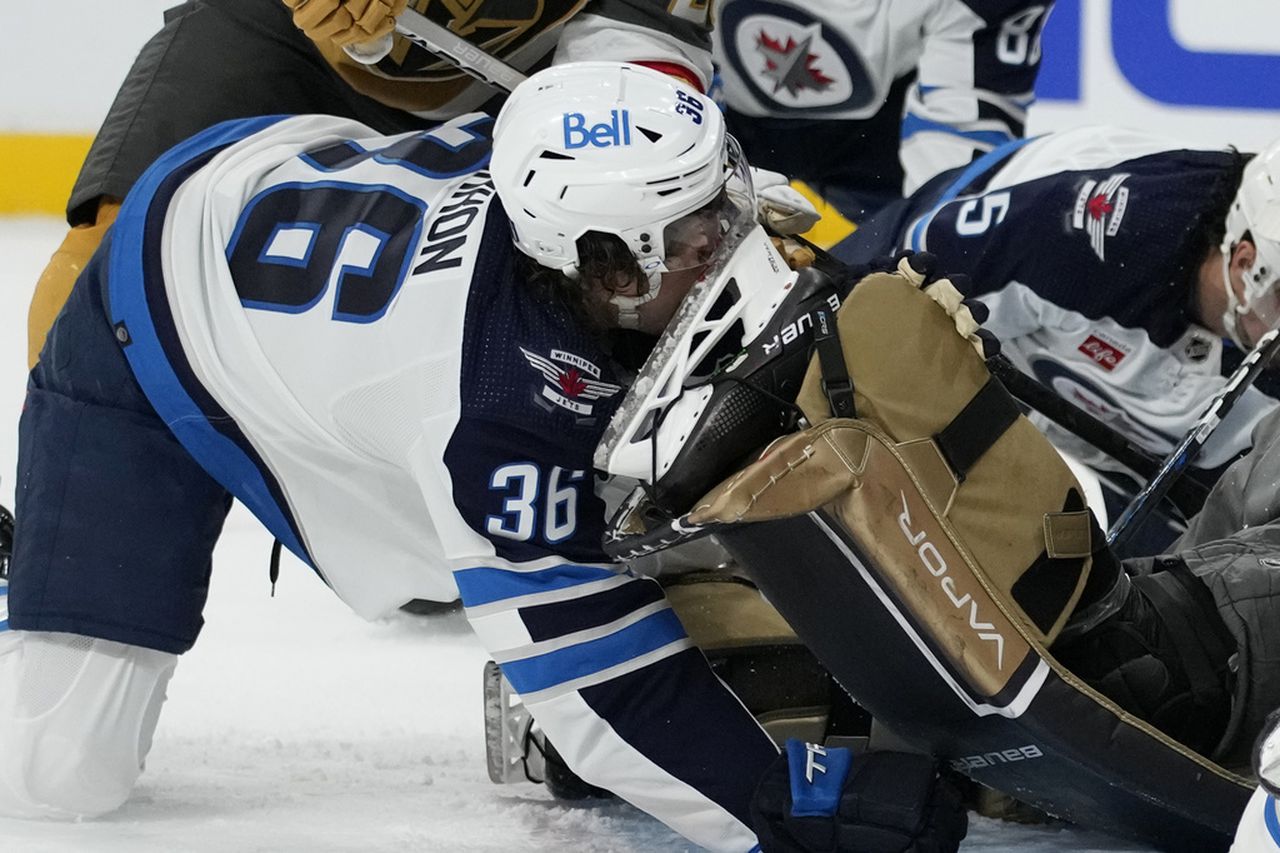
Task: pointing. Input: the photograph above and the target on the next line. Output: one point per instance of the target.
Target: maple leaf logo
(571, 383)
(1099, 206)
(790, 65)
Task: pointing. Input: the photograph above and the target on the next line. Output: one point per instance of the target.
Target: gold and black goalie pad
(977, 522)
(930, 550)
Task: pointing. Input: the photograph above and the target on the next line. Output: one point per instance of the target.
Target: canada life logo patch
(1099, 210)
(1105, 354)
(571, 381)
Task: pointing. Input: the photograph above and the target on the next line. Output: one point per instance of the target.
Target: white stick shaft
(450, 47)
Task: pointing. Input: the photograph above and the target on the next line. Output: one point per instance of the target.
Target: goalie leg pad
(59, 276)
(753, 650)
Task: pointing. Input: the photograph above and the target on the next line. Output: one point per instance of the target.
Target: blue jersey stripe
(913, 124)
(1271, 819)
(547, 670)
(225, 460)
(972, 172)
(485, 585)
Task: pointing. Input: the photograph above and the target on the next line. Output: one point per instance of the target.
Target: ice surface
(295, 727)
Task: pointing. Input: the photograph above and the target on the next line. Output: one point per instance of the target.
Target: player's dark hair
(604, 263)
(1211, 224)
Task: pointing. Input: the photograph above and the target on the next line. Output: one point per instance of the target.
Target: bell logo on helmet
(606, 134)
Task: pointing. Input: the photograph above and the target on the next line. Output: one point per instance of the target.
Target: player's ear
(1243, 254)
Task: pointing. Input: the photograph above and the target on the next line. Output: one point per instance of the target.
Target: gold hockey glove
(344, 22)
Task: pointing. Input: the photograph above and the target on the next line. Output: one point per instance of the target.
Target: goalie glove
(921, 269)
(347, 22)
(815, 798)
(779, 207)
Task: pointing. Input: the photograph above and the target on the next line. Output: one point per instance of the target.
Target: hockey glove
(780, 208)
(345, 22)
(814, 798)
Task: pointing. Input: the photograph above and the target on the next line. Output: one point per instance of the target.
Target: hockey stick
(1175, 464)
(451, 47)
(1187, 494)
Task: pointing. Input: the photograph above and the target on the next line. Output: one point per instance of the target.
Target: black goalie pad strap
(980, 423)
(836, 383)
(1045, 588)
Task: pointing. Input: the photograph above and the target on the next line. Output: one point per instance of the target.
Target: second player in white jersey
(869, 99)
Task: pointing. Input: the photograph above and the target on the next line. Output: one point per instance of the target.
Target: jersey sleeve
(597, 654)
(975, 82)
(674, 38)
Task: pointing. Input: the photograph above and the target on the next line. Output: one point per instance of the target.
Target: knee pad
(76, 719)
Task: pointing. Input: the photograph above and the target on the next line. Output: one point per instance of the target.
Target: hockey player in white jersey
(867, 100)
(338, 330)
(1114, 264)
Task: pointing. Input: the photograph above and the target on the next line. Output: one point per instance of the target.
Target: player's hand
(816, 798)
(779, 207)
(346, 22)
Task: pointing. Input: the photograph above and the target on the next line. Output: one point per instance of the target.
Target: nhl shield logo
(1099, 209)
(1197, 348)
(570, 381)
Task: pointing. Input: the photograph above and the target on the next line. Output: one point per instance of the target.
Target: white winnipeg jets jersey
(336, 326)
(829, 90)
(1085, 245)
(1259, 829)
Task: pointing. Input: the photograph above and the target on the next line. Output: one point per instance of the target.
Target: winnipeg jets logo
(790, 65)
(1099, 209)
(570, 380)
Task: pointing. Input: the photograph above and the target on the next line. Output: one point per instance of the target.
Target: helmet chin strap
(628, 307)
(1235, 309)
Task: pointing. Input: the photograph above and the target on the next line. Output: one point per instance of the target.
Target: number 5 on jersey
(526, 509)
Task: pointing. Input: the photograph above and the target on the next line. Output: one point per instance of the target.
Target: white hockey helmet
(1255, 214)
(618, 149)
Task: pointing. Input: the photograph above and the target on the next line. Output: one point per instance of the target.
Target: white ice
(295, 727)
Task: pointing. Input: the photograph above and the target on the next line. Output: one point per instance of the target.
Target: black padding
(980, 423)
(1185, 606)
(1044, 589)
